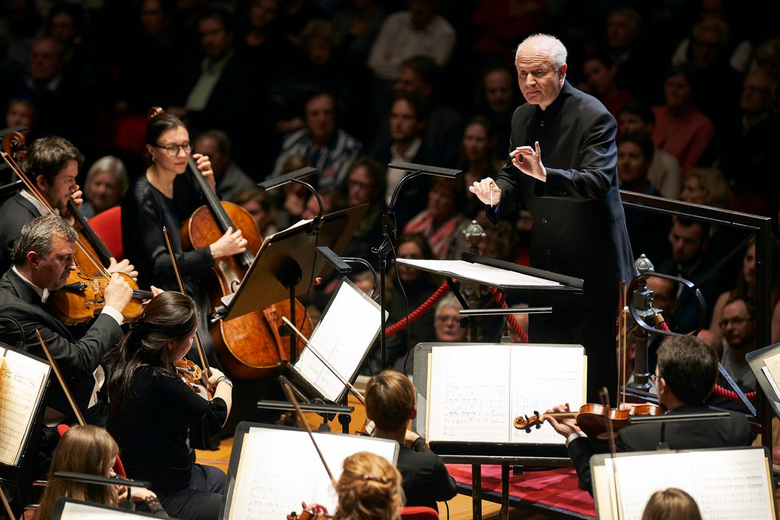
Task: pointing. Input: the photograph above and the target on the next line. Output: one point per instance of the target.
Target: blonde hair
(83, 449)
(717, 192)
(369, 489)
(671, 504)
(390, 400)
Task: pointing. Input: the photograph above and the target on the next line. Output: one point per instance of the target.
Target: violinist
(153, 410)
(165, 197)
(52, 164)
(43, 257)
(684, 377)
(391, 405)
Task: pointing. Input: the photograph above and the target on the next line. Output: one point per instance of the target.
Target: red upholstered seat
(119, 468)
(419, 513)
(108, 226)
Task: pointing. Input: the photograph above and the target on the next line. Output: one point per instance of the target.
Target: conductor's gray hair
(37, 235)
(550, 45)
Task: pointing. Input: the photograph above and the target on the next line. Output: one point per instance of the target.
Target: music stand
(288, 259)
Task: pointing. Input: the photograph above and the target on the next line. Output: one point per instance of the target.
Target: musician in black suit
(52, 165)
(43, 257)
(563, 167)
(684, 377)
(390, 403)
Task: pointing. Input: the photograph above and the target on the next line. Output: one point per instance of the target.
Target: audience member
(418, 31)
(497, 99)
(599, 74)
(292, 197)
(357, 26)
(738, 330)
(685, 375)
(267, 48)
(636, 117)
(646, 229)
(230, 178)
(478, 160)
(706, 186)
(366, 185)
(262, 207)
(390, 404)
(441, 222)
(671, 503)
(21, 112)
(500, 25)
(20, 23)
(447, 315)
(632, 59)
(680, 129)
(90, 450)
(767, 59)
(331, 149)
(105, 185)
(408, 116)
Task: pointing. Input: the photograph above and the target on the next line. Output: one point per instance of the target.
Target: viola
(195, 378)
(591, 418)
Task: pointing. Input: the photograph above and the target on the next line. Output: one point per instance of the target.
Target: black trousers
(202, 500)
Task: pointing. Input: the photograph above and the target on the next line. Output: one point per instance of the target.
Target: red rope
(720, 391)
(513, 323)
(417, 313)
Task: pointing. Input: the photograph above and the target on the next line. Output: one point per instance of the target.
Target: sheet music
(77, 511)
(477, 391)
(280, 468)
(772, 364)
(21, 382)
(726, 484)
(550, 376)
(485, 274)
(343, 336)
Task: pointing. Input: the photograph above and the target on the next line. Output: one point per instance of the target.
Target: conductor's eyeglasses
(173, 149)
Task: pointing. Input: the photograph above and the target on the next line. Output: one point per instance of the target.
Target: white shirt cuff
(573, 436)
(114, 313)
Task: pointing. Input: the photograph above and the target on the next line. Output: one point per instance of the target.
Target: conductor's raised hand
(204, 165)
(564, 427)
(531, 163)
(483, 189)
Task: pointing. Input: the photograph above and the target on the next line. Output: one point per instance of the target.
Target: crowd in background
(349, 86)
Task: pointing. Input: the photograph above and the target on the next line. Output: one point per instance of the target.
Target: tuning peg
(538, 426)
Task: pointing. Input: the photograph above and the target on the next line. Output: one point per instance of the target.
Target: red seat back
(108, 226)
(418, 513)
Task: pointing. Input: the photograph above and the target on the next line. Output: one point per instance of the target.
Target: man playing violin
(52, 164)
(684, 377)
(43, 257)
(390, 404)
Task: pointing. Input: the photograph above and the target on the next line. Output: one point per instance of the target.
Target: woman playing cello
(152, 410)
(165, 197)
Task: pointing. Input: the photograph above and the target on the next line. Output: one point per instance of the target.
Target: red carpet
(552, 488)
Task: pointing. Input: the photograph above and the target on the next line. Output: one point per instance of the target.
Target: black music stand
(289, 259)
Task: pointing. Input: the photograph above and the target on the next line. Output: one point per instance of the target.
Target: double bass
(249, 346)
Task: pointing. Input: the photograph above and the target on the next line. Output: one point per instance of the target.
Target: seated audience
(105, 186)
(599, 73)
(738, 332)
(21, 112)
(153, 411)
(357, 26)
(684, 377)
(390, 404)
(671, 504)
(92, 451)
(478, 160)
(680, 129)
(497, 99)
(230, 178)
(366, 185)
(447, 325)
(441, 222)
(664, 174)
(706, 186)
(261, 206)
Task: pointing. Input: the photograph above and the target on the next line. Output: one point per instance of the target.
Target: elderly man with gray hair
(563, 167)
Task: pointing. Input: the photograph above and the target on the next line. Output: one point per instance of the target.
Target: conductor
(562, 166)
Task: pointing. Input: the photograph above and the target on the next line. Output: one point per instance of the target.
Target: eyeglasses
(173, 149)
(734, 321)
(654, 378)
(360, 185)
(448, 319)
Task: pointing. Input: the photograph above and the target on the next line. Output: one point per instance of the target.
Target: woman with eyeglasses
(164, 196)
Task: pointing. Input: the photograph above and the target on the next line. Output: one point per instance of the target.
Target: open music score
(70, 509)
(476, 391)
(277, 468)
(23, 381)
(726, 484)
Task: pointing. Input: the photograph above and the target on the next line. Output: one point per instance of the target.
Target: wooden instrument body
(249, 346)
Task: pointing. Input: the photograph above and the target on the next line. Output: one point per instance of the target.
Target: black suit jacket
(579, 226)
(77, 355)
(425, 477)
(15, 213)
(715, 433)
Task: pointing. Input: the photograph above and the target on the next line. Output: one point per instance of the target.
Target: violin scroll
(526, 422)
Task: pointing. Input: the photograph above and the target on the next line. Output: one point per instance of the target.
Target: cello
(81, 299)
(249, 346)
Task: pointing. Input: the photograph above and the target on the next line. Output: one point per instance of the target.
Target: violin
(592, 418)
(305, 515)
(195, 378)
(81, 299)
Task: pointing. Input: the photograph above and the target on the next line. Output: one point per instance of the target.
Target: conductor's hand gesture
(532, 161)
(487, 191)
